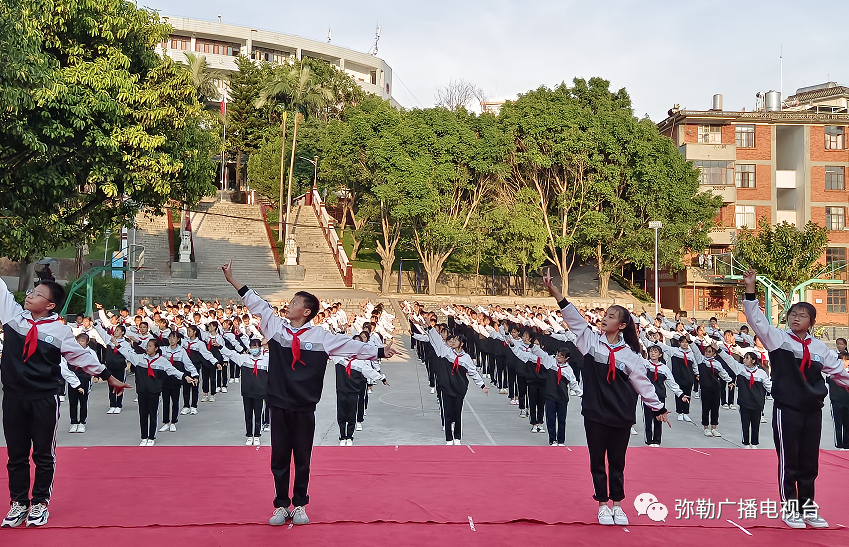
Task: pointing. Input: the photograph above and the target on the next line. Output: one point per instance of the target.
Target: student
(840, 408)
(798, 363)
(840, 345)
(205, 362)
(683, 358)
(661, 377)
(559, 381)
(253, 386)
(614, 374)
(454, 380)
(298, 357)
(709, 371)
(735, 352)
(753, 384)
(151, 369)
(214, 342)
(115, 363)
(31, 374)
(351, 376)
(179, 359)
(78, 396)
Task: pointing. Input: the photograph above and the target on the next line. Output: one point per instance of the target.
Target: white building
(220, 43)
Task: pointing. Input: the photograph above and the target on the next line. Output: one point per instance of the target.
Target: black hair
(713, 319)
(82, 335)
(629, 333)
(564, 351)
(80, 316)
(194, 328)
(310, 303)
(122, 327)
(175, 333)
(255, 342)
(839, 339)
(459, 337)
(806, 307)
(744, 327)
(529, 333)
(727, 331)
(844, 355)
(57, 293)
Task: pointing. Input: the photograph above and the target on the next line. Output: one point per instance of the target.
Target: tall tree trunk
(291, 169)
(524, 280)
(386, 272)
(78, 261)
(564, 269)
(603, 284)
(282, 179)
(239, 177)
(599, 258)
(26, 273)
(356, 248)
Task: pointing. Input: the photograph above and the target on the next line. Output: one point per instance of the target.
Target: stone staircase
(314, 253)
(226, 231)
(153, 234)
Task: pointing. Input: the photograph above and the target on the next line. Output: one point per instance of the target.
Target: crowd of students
(540, 356)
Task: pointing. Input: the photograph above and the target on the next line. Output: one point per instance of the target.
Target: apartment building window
(270, 55)
(711, 299)
(744, 136)
(836, 257)
(710, 134)
(179, 42)
(834, 177)
(373, 76)
(835, 218)
(744, 176)
(715, 173)
(217, 48)
(836, 301)
(745, 216)
(834, 137)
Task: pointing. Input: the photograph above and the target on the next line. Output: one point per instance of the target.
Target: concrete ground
(403, 413)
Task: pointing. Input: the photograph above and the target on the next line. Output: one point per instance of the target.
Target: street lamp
(107, 233)
(656, 225)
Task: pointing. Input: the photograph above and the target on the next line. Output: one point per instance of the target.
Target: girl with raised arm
(614, 374)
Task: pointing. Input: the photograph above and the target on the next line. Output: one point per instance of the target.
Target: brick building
(785, 161)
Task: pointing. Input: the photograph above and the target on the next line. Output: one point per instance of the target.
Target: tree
(783, 253)
(94, 126)
(522, 235)
(247, 126)
(458, 94)
(202, 77)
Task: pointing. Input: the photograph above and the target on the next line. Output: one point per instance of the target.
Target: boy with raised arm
(35, 341)
(298, 354)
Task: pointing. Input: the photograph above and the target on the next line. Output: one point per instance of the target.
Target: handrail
(262, 210)
(326, 223)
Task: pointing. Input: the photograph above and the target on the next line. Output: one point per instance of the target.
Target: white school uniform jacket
(462, 359)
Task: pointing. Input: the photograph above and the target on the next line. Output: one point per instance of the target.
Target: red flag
(223, 105)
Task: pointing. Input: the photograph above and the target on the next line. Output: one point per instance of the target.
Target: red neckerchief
(456, 364)
(256, 367)
(296, 346)
(189, 346)
(150, 372)
(806, 353)
(611, 362)
(209, 344)
(686, 361)
(31, 340)
(539, 362)
(763, 358)
(656, 366)
(751, 378)
(348, 367)
(712, 369)
(559, 373)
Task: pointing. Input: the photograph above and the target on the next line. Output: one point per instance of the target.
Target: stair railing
(327, 226)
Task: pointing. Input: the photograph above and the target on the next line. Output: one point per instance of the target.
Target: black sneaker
(16, 515)
(37, 514)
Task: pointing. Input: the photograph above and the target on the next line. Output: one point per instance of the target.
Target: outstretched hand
(750, 278)
(117, 385)
(389, 351)
(664, 418)
(547, 279)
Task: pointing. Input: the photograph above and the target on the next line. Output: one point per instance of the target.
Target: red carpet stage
(416, 495)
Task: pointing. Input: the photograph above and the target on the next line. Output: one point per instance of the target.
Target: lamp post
(314, 163)
(656, 225)
(107, 233)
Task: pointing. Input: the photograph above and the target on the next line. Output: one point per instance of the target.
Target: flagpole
(224, 140)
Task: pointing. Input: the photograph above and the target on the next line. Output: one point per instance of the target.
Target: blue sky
(662, 52)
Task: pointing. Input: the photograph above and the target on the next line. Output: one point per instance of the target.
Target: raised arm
(585, 337)
(9, 307)
(439, 346)
(771, 337)
(269, 323)
(339, 345)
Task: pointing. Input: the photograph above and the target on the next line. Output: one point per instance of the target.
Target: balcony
(786, 216)
(702, 151)
(727, 191)
(723, 236)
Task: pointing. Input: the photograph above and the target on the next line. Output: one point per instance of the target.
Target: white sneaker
(350, 442)
(73, 428)
(715, 433)
(815, 522)
(80, 428)
(193, 411)
(250, 441)
(172, 427)
(370, 391)
(136, 400)
(754, 446)
(223, 390)
(280, 516)
(164, 427)
(211, 399)
(634, 431)
(619, 516)
(185, 411)
(151, 442)
(204, 398)
(763, 419)
(456, 442)
(747, 446)
(540, 429)
(117, 410)
(359, 426)
(299, 516)
(680, 417)
(266, 427)
(687, 418)
(732, 407)
(433, 390)
(143, 442)
(256, 441)
(231, 380)
(708, 433)
(560, 444)
(696, 395)
(605, 515)
(16, 516)
(236, 380)
(724, 407)
(343, 442)
(37, 515)
(449, 443)
(793, 520)
(61, 398)
(111, 410)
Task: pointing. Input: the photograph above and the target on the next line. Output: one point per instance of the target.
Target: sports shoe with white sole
(433, 390)
(763, 419)
(80, 428)
(37, 515)
(449, 443)
(111, 410)
(280, 516)
(793, 520)
(61, 398)
(172, 427)
(696, 395)
(73, 428)
(256, 441)
(164, 427)
(732, 407)
(359, 426)
(211, 399)
(350, 442)
(708, 433)
(193, 411)
(634, 431)
(16, 516)
(143, 442)
(815, 522)
(204, 398)
(185, 411)
(605, 515)
(299, 516)
(343, 442)
(680, 417)
(619, 516)
(560, 444)
(687, 418)
(724, 407)
(117, 410)
(457, 442)
(151, 442)
(249, 441)
(715, 433)
(223, 390)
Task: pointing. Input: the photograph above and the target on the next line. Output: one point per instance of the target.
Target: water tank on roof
(717, 102)
(772, 101)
